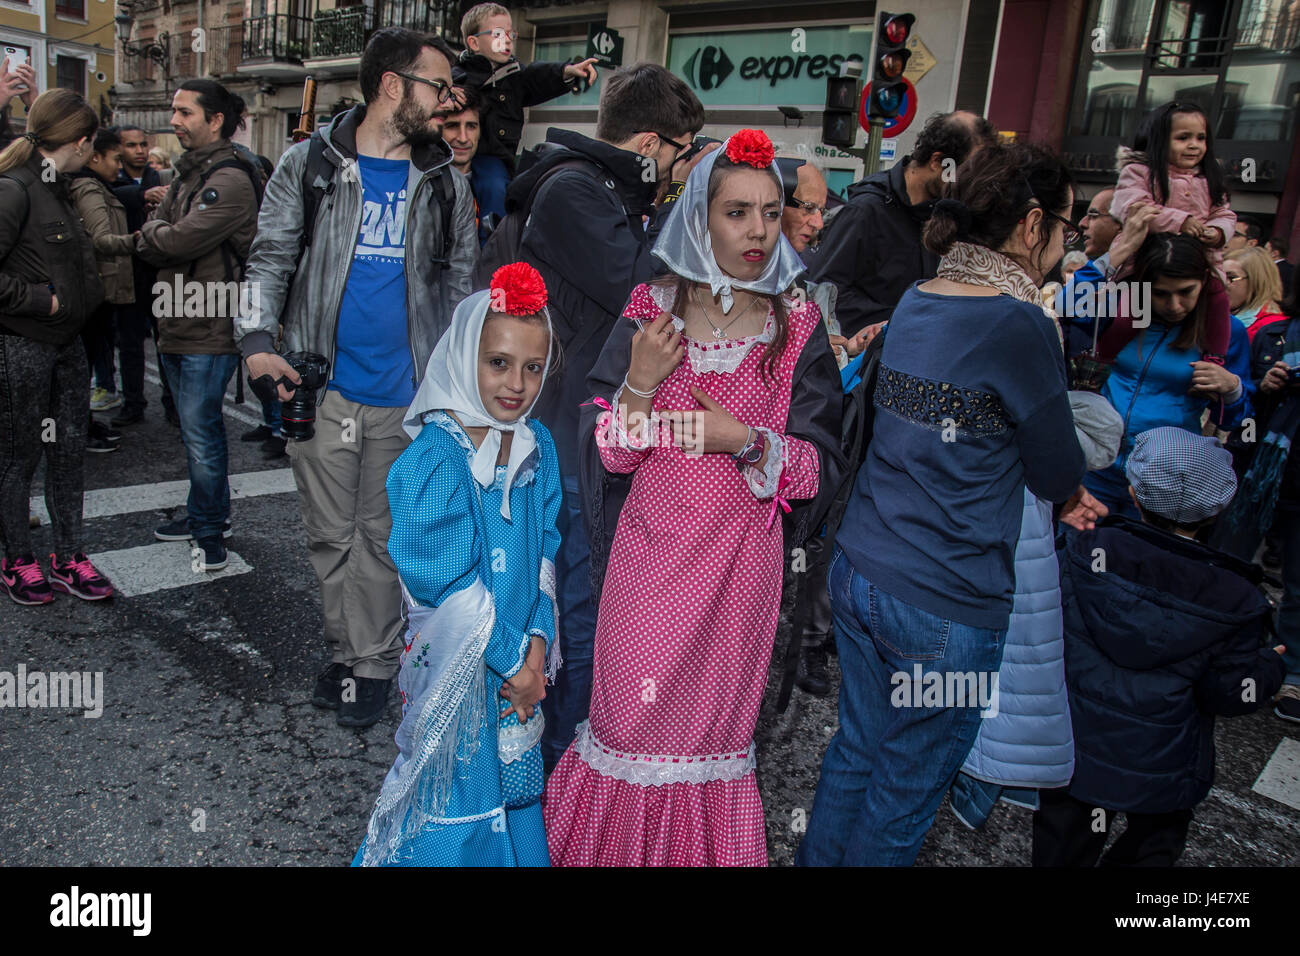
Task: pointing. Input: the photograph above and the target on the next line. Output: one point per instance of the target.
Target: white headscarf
(684, 245)
(451, 384)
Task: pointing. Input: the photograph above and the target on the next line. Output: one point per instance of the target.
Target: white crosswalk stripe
(160, 567)
(160, 495)
(1280, 778)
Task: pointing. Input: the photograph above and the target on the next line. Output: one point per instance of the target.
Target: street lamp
(154, 50)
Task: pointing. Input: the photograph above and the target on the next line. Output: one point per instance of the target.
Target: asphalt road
(208, 750)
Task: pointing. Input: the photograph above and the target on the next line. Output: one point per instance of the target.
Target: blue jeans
(890, 763)
(1288, 615)
(271, 417)
(198, 383)
(569, 701)
(491, 177)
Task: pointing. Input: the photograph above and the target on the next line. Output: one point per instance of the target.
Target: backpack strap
(23, 177)
(317, 183)
(445, 196)
(232, 262)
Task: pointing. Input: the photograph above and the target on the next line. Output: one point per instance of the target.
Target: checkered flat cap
(1180, 475)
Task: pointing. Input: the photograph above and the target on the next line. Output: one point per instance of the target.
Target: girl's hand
(1083, 511)
(1212, 236)
(1192, 227)
(528, 687)
(854, 346)
(585, 70)
(1212, 379)
(656, 350)
(1276, 378)
(714, 430)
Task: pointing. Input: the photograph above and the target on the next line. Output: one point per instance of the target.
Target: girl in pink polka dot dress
(662, 773)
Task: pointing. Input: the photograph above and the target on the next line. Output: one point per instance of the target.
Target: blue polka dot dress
(448, 534)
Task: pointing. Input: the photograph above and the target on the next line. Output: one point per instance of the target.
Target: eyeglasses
(1098, 215)
(810, 208)
(1072, 232)
(673, 143)
(442, 88)
(1232, 278)
(499, 32)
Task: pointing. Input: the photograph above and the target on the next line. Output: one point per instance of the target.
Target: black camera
(299, 412)
(697, 144)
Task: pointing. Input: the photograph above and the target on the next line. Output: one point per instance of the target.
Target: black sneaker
(273, 448)
(328, 693)
(212, 554)
(127, 417)
(179, 530)
(1287, 703)
(99, 446)
(98, 429)
(812, 676)
(370, 704)
(260, 433)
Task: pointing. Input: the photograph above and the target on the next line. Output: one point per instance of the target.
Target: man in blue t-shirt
(372, 293)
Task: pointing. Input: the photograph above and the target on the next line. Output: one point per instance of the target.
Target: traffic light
(840, 118)
(887, 86)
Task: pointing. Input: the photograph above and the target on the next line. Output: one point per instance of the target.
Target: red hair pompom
(751, 146)
(517, 289)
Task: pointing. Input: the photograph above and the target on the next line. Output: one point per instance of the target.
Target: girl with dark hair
(740, 388)
(49, 286)
(1160, 375)
(1172, 166)
(971, 413)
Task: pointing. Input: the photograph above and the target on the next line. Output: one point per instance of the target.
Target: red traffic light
(893, 64)
(897, 28)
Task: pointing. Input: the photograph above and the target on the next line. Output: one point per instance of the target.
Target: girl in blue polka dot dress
(474, 500)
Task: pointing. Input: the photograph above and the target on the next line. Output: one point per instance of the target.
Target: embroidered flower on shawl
(751, 146)
(517, 289)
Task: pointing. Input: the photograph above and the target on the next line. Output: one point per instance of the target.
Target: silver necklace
(719, 332)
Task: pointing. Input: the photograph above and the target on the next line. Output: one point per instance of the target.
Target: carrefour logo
(709, 66)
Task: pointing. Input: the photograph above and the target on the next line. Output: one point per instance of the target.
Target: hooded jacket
(505, 90)
(872, 249)
(585, 236)
(105, 219)
(1189, 195)
(50, 251)
(193, 236)
(303, 288)
(1160, 637)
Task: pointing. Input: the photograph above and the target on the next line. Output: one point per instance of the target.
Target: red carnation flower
(517, 289)
(751, 146)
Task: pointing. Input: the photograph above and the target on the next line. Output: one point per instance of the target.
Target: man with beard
(390, 255)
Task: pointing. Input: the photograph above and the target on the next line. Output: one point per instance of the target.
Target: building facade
(69, 44)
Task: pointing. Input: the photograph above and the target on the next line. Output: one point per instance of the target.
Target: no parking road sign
(895, 124)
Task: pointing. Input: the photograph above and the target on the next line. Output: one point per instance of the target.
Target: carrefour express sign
(786, 67)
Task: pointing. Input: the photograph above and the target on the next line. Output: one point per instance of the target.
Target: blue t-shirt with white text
(372, 361)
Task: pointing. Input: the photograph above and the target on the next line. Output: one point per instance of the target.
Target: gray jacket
(305, 296)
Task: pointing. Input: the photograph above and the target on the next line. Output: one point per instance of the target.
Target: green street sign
(605, 44)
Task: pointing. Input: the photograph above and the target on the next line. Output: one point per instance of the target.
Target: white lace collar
(714, 355)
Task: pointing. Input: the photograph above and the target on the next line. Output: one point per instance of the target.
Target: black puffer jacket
(43, 244)
(1267, 347)
(585, 236)
(872, 250)
(505, 90)
(1168, 635)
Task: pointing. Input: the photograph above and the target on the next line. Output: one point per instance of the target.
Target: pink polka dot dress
(662, 773)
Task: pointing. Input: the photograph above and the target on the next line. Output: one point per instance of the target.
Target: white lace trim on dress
(652, 770)
(722, 356)
(765, 483)
(515, 739)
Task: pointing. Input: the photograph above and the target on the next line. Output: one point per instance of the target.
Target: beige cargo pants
(340, 475)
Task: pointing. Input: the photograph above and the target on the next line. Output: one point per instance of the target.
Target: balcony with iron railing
(340, 33)
(222, 52)
(274, 45)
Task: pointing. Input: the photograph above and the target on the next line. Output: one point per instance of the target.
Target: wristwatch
(751, 453)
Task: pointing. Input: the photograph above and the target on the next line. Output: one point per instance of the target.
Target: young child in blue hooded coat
(474, 500)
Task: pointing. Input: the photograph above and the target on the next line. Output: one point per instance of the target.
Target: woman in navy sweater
(971, 409)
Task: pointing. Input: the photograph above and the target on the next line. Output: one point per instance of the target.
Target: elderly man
(1099, 227)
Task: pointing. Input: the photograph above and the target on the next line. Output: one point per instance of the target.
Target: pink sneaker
(79, 578)
(25, 581)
